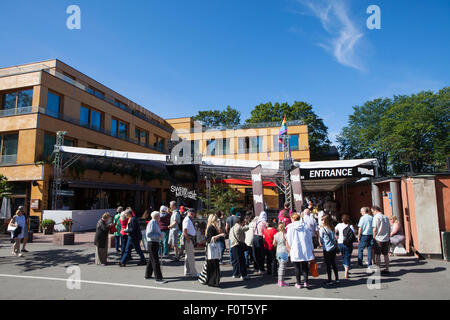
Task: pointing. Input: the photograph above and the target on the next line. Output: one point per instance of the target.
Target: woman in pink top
(123, 226)
(284, 217)
(286, 207)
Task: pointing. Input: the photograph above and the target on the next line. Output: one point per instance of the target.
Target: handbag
(213, 251)
(17, 232)
(11, 228)
(313, 268)
(112, 228)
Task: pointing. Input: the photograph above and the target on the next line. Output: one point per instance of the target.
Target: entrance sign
(337, 173)
(258, 198)
(297, 189)
(183, 192)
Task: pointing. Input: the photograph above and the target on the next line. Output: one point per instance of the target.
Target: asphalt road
(43, 274)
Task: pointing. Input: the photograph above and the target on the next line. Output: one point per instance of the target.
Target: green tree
(400, 130)
(5, 188)
(362, 137)
(221, 197)
(317, 130)
(215, 118)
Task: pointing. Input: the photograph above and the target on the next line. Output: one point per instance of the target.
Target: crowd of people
(256, 245)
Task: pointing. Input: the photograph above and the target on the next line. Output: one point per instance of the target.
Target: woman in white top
(258, 243)
(345, 248)
(18, 221)
(300, 246)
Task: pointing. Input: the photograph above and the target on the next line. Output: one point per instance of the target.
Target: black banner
(337, 173)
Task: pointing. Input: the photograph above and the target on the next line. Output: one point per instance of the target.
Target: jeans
(130, 245)
(247, 256)
(239, 267)
(301, 267)
(231, 256)
(123, 242)
(346, 254)
(117, 242)
(164, 249)
(221, 243)
(271, 261)
(365, 242)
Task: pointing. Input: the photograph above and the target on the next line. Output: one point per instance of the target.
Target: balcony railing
(8, 159)
(18, 111)
(260, 125)
(64, 117)
(105, 98)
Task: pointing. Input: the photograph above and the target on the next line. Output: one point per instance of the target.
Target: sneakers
(282, 284)
(298, 286)
(369, 270)
(24, 250)
(245, 277)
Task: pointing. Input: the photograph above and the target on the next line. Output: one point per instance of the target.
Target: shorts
(381, 248)
(283, 256)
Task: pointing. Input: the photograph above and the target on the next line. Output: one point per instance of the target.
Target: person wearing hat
(164, 223)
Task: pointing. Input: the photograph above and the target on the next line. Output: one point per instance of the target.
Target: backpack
(349, 237)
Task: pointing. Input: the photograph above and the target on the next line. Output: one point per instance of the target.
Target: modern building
(39, 99)
(245, 142)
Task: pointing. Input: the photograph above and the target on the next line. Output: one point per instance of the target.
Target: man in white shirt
(381, 233)
(189, 233)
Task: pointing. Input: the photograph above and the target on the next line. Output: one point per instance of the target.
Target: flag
(283, 130)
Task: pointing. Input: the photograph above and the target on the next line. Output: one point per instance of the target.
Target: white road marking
(170, 289)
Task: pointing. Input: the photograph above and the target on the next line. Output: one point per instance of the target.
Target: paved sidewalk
(42, 274)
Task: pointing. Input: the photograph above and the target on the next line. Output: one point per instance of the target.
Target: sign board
(183, 192)
(297, 189)
(35, 204)
(258, 198)
(338, 173)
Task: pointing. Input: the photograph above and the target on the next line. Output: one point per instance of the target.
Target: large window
(141, 136)
(293, 143)
(211, 147)
(119, 129)
(49, 144)
(91, 118)
(256, 144)
(53, 104)
(243, 145)
(8, 148)
(17, 99)
(159, 144)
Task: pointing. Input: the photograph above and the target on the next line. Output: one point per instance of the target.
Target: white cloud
(344, 35)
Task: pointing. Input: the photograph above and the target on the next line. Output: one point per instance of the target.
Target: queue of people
(252, 240)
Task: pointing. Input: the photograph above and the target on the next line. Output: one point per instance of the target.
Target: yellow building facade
(39, 99)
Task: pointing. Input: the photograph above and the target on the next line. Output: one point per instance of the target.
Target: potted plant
(68, 224)
(48, 225)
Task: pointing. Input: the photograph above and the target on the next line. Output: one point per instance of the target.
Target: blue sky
(178, 57)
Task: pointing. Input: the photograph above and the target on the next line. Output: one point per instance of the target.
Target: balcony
(18, 111)
(8, 159)
(105, 98)
(77, 122)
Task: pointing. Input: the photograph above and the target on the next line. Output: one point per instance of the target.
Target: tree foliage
(317, 130)
(222, 197)
(5, 188)
(400, 130)
(215, 118)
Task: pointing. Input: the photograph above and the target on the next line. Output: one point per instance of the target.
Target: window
(256, 144)
(53, 104)
(293, 143)
(243, 145)
(119, 129)
(90, 118)
(211, 147)
(159, 143)
(120, 105)
(49, 144)
(226, 146)
(18, 99)
(8, 147)
(96, 92)
(141, 136)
